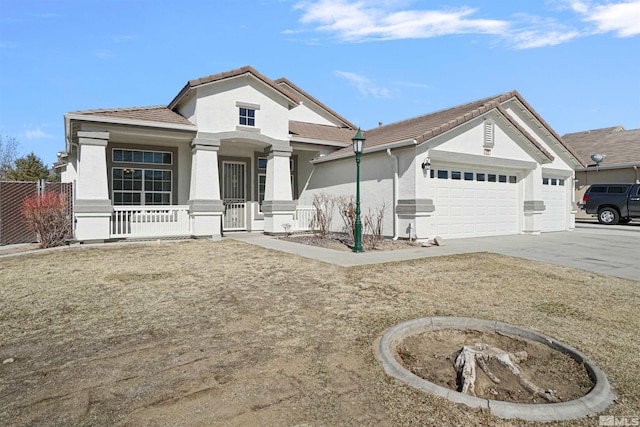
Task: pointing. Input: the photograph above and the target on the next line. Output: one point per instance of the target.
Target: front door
(233, 195)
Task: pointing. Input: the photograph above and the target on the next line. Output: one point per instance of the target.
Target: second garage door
(554, 194)
(475, 202)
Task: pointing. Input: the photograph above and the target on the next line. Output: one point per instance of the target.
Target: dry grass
(223, 333)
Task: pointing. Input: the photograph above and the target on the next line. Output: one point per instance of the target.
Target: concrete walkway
(607, 250)
(611, 250)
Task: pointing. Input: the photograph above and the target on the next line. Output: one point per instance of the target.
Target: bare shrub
(46, 214)
(347, 209)
(323, 205)
(373, 227)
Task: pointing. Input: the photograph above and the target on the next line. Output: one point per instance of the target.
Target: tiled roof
(283, 81)
(320, 132)
(619, 145)
(425, 127)
(158, 113)
(230, 74)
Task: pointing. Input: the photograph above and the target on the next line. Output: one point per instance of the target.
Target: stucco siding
(188, 109)
(217, 108)
(337, 178)
(543, 138)
(304, 172)
(303, 113)
(469, 139)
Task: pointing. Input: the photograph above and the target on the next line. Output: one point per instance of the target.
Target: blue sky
(577, 62)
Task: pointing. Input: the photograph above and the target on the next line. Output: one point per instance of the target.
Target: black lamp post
(358, 146)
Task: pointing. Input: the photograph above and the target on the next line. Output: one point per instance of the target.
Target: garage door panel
(470, 208)
(443, 193)
(554, 217)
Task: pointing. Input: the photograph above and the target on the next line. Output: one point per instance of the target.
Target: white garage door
(554, 194)
(475, 202)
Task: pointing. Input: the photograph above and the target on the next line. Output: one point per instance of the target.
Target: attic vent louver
(488, 135)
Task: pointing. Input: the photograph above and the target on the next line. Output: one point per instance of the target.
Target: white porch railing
(150, 221)
(303, 218)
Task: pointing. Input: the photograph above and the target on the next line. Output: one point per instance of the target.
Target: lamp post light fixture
(358, 146)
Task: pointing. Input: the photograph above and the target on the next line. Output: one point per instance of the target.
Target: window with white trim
(139, 156)
(247, 116)
(141, 186)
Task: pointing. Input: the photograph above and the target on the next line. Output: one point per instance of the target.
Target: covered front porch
(130, 189)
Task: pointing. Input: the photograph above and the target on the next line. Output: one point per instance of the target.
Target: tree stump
(478, 355)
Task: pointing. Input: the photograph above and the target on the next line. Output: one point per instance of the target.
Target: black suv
(613, 203)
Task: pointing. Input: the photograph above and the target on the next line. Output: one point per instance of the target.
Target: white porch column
(92, 208)
(533, 201)
(278, 206)
(205, 205)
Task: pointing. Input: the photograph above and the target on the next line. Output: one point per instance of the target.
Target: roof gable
(244, 71)
(423, 128)
(289, 86)
(514, 95)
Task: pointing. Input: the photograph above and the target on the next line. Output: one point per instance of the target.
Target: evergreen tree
(28, 168)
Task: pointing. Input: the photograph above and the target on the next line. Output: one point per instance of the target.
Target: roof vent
(488, 135)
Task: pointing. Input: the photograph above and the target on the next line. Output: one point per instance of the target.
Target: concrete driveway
(612, 250)
(601, 249)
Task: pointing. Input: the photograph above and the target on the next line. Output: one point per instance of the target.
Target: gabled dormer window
(247, 116)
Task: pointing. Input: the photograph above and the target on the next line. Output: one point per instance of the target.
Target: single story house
(239, 151)
(620, 152)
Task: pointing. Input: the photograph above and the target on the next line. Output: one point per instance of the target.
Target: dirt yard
(432, 356)
(202, 333)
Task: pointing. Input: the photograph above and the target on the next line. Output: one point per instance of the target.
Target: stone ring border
(589, 405)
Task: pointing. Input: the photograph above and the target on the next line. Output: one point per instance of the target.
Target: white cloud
(413, 85)
(36, 133)
(122, 39)
(357, 21)
(47, 15)
(360, 20)
(622, 18)
(531, 31)
(579, 6)
(365, 86)
(104, 54)
(533, 39)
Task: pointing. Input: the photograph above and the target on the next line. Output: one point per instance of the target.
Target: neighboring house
(621, 164)
(238, 151)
